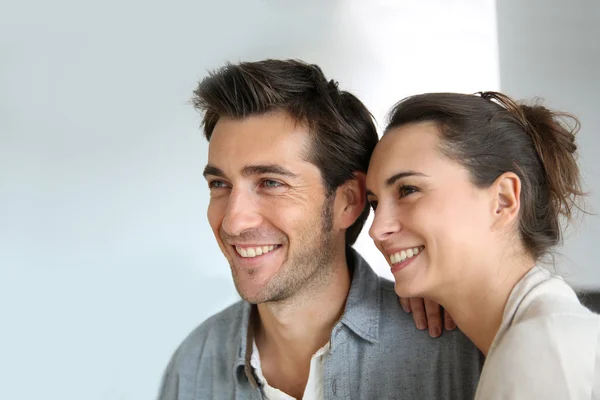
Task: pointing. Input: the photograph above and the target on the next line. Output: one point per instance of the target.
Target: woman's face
(431, 223)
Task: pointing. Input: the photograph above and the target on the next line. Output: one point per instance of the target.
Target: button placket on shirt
(337, 365)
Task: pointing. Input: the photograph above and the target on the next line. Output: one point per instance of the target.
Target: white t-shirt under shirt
(314, 385)
(547, 347)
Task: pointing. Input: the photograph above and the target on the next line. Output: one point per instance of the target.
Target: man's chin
(251, 293)
(259, 295)
(258, 299)
(252, 284)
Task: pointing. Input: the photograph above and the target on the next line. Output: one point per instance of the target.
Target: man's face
(268, 207)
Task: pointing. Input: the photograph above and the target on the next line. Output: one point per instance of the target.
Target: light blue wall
(106, 258)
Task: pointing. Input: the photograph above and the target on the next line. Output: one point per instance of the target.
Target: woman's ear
(507, 199)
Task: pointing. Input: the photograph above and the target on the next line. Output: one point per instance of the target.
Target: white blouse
(547, 347)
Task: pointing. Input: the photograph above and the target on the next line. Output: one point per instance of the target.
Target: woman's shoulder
(550, 356)
(548, 315)
(542, 295)
(551, 345)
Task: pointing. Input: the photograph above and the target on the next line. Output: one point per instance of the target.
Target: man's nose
(242, 213)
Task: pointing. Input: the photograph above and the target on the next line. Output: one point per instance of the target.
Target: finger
(418, 312)
(434, 318)
(449, 323)
(405, 303)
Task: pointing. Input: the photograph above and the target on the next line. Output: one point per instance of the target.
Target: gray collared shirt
(375, 353)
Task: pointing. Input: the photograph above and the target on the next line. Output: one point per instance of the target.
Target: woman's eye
(406, 190)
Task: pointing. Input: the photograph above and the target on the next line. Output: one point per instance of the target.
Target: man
(288, 153)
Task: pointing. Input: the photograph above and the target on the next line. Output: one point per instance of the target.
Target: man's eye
(271, 184)
(217, 185)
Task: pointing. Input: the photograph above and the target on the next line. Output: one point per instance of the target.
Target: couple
(467, 191)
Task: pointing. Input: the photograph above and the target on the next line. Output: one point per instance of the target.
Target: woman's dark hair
(490, 134)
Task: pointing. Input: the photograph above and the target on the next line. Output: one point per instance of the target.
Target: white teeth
(249, 252)
(404, 255)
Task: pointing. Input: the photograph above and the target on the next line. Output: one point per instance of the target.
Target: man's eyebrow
(210, 170)
(268, 169)
(250, 170)
(390, 181)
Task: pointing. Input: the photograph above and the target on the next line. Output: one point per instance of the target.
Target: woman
(469, 193)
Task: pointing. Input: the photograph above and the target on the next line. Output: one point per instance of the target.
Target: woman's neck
(477, 304)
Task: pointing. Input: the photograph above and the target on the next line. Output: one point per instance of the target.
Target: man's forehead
(272, 123)
(258, 140)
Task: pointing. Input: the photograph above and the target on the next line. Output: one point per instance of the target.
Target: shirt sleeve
(170, 382)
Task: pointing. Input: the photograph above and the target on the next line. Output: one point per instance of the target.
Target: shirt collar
(363, 306)
(249, 316)
(361, 315)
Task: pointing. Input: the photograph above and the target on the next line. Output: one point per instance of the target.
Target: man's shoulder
(391, 309)
(451, 361)
(219, 333)
(202, 363)
(393, 320)
(230, 317)
(387, 287)
(398, 327)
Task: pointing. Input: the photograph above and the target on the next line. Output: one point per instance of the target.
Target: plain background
(106, 259)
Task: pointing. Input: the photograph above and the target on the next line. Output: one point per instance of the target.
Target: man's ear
(506, 192)
(350, 201)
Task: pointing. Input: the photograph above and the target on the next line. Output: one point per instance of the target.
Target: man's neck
(290, 332)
